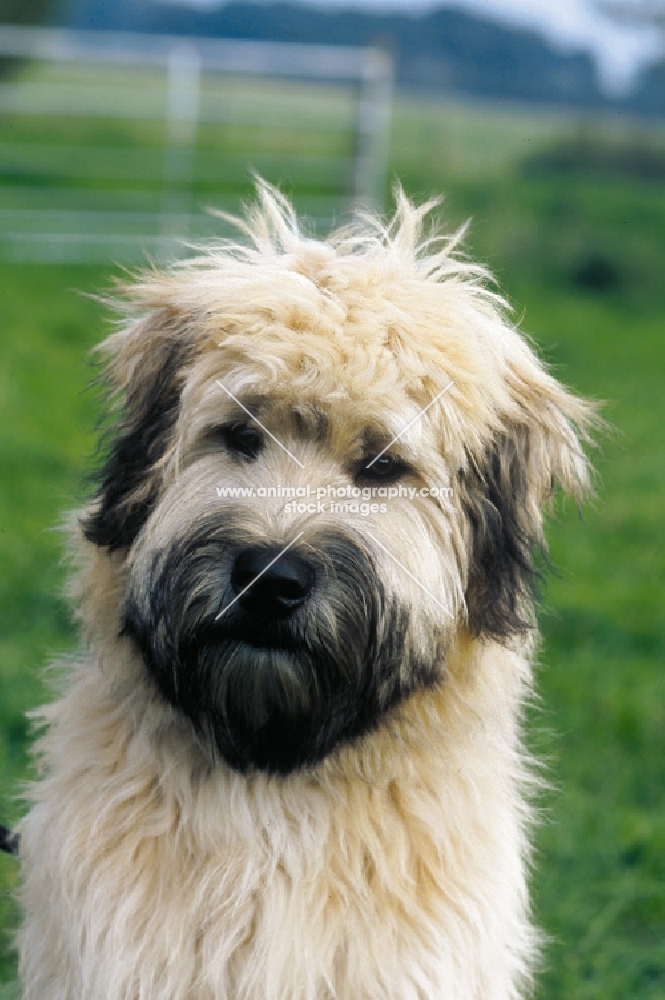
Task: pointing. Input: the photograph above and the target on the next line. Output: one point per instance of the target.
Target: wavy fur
(390, 861)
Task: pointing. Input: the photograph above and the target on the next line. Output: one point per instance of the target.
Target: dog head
(332, 458)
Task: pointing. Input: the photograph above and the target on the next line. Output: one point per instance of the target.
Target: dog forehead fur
(396, 867)
(292, 317)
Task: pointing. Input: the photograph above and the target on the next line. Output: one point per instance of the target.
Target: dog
(287, 761)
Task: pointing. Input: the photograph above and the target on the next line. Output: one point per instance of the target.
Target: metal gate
(114, 145)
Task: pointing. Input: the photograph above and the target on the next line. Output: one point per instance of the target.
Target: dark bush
(596, 272)
(594, 151)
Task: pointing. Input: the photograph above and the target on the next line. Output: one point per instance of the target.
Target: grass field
(571, 217)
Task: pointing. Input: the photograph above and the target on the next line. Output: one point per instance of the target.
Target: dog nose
(271, 584)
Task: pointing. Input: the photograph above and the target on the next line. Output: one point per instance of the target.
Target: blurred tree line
(447, 49)
(28, 11)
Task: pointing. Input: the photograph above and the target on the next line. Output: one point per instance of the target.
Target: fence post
(183, 98)
(374, 114)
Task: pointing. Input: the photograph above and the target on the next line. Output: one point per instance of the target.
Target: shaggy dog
(286, 764)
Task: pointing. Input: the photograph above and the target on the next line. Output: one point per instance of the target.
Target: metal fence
(113, 145)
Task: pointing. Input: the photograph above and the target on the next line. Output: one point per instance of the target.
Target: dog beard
(272, 692)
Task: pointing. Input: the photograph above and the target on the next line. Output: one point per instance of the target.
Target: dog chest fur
(362, 879)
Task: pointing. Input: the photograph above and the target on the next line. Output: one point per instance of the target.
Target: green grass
(599, 883)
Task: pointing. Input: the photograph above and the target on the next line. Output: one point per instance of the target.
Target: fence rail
(113, 144)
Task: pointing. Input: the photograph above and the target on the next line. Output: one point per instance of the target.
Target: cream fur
(395, 869)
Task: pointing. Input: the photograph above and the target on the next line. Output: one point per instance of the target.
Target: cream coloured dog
(286, 763)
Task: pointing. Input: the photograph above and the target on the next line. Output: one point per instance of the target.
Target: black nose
(272, 584)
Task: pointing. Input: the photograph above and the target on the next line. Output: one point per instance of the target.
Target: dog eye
(242, 439)
(386, 469)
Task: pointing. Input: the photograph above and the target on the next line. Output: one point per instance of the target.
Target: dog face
(281, 628)
(376, 367)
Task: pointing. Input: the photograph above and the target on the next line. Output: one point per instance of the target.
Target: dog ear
(537, 447)
(146, 373)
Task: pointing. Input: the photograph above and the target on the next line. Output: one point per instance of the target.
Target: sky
(619, 50)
